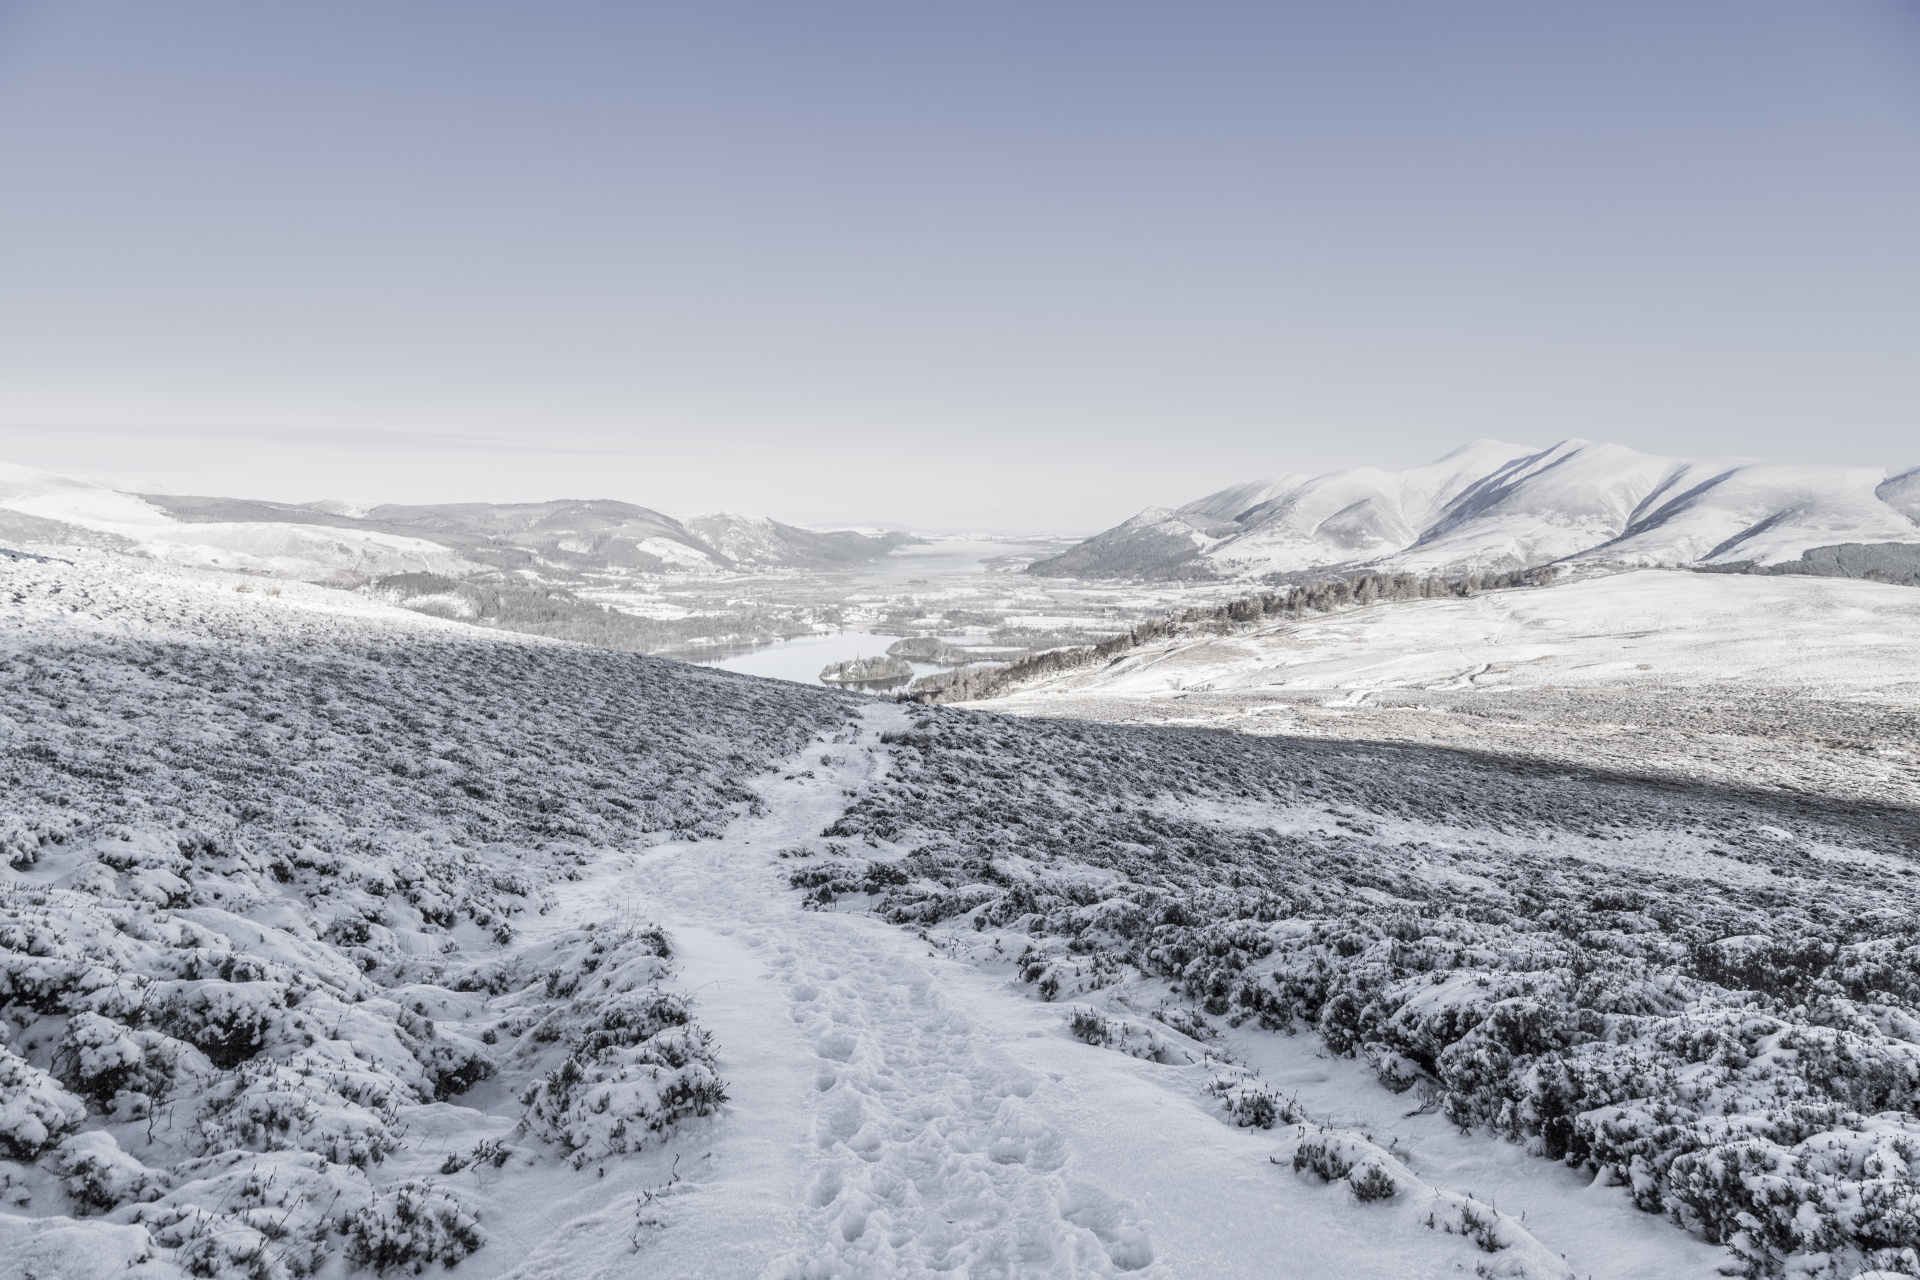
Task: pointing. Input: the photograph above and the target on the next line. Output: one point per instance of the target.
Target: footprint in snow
(930, 1158)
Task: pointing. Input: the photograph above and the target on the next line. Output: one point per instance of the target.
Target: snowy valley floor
(337, 939)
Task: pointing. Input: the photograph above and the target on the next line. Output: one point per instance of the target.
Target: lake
(802, 658)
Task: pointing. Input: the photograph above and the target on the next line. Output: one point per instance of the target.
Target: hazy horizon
(1006, 268)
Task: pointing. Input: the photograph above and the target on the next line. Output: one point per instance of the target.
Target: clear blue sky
(1022, 264)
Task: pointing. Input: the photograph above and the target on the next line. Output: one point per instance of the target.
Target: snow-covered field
(1842, 636)
(1803, 683)
(337, 939)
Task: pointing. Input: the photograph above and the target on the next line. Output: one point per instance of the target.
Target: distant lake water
(802, 658)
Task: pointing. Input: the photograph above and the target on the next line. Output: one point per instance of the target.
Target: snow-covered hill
(338, 543)
(1795, 682)
(336, 939)
(1496, 506)
(758, 542)
(44, 509)
(576, 536)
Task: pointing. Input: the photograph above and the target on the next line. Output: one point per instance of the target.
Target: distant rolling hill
(335, 542)
(1496, 506)
(586, 535)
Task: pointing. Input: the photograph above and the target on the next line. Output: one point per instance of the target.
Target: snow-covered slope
(1495, 506)
(337, 542)
(336, 939)
(565, 534)
(282, 913)
(1648, 627)
(759, 542)
(570, 535)
(1787, 681)
(1902, 493)
(41, 508)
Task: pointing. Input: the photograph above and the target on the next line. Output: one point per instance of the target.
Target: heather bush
(411, 1226)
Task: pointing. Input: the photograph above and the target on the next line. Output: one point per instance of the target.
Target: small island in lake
(867, 673)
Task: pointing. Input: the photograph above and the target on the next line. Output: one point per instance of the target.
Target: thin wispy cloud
(399, 440)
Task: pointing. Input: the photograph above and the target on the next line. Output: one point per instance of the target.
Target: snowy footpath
(894, 1112)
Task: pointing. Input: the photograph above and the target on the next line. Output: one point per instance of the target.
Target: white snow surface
(892, 1111)
(1647, 627)
(1492, 505)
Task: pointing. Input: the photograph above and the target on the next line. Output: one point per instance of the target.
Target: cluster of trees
(867, 672)
(1894, 562)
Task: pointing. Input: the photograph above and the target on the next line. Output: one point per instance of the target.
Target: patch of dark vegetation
(1895, 562)
(1712, 995)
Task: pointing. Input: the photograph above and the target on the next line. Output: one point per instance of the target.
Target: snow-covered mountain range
(334, 541)
(1495, 506)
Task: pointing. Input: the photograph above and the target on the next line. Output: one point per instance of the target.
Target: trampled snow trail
(895, 1112)
(920, 1152)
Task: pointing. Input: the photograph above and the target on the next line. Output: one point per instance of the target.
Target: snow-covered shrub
(1134, 1038)
(489, 1153)
(1371, 1181)
(410, 1226)
(1336, 1156)
(633, 1068)
(227, 1021)
(244, 1215)
(268, 1106)
(35, 1112)
(217, 1246)
(454, 1066)
(1185, 1021)
(1250, 1103)
(1394, 1069)
(1327, 1156)
(22, 840)
(828, 880)
(99, 1175)
(102, 1058)
(1090, 1026)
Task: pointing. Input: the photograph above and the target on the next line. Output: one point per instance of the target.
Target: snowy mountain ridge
(338, 542)
(1492, 505)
